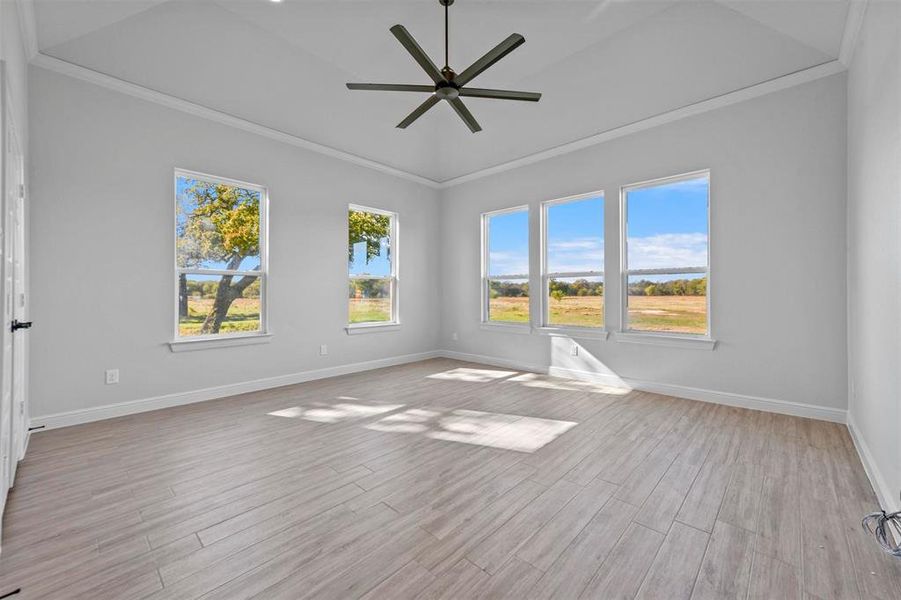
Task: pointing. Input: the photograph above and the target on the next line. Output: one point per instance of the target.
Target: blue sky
(508, 243)
(575, 236)
(667, 228)
(378, 266)
(667, 225)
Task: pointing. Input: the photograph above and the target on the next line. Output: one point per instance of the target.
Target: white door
(19, 416)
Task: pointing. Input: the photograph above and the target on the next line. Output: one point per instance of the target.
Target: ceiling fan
(448, 85)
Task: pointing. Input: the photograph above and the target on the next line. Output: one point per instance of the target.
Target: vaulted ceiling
(600, 64)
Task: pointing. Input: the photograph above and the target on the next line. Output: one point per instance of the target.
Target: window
(505, 266)
(372, 266)
(666, 269)
(573, 275)
(220, 227)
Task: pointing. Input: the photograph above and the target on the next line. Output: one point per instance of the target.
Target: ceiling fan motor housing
(447, 91)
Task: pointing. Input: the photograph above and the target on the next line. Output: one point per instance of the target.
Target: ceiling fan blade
(465, 115)
(501, 94)
(391, 87)
(420, 110)
(495, 54)
(418, 54)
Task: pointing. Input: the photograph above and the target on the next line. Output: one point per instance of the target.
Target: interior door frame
(5, 302)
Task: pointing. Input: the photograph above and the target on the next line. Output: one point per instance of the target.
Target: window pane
(667, 225)
(369, 300)
(508, 300)
(575, 236)
(576, 301)
(508, 243)
(669, 303)
(369, 244)
(218, 304)
(217, 225)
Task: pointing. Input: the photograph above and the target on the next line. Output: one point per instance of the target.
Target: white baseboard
(492, 361)
(120, 409)
(888, 499)
(785, 407)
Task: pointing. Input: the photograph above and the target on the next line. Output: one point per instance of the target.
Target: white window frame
(195, 342)
(392, 278)
(627, 334)
(486, 280)
(546, 325)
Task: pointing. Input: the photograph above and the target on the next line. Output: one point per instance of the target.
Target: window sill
(665, 339)
(520, 328)
(361, 328)
(190, 345)
(597, 333)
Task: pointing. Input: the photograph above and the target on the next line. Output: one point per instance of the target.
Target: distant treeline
(676, 287)
(583, 287)
(208, 288)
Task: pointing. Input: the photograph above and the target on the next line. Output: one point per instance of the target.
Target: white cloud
(508, 263)
(668, 250)
(578, 254)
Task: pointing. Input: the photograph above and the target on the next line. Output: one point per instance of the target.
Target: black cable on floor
(882, 525)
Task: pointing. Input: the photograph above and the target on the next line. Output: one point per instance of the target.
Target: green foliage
(222, 225)
(579, 287)
(558, 295)
(676, 287)
(208, 289)
(369, 228)
(508, 289)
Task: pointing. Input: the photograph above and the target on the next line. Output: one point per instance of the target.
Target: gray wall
(102, 250)
(777, 248)
(874, 244)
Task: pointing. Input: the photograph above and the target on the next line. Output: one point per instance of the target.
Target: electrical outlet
(323, 350)
(112, 376)
(574, 351)
(454, 336)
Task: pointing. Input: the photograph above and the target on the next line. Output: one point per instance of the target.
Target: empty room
(457, 299)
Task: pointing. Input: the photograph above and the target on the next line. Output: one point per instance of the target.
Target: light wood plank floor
(443, 479)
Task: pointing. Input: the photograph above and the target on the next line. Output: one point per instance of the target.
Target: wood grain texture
(444, 479)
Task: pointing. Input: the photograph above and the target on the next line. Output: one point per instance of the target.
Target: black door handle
(20, 325)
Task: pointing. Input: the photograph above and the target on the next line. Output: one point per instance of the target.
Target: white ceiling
(599, 63)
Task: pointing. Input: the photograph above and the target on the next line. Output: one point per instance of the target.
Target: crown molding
(854, 19)
(62, 67)
(856, 11)
(754, 91)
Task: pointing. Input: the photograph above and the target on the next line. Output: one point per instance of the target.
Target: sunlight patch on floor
(335, 413)
(414, 420)
(509, 432)
(472, 375)
(535, 380)
(495, 430)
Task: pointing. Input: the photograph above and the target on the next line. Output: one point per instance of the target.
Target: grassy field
(577, 311)
(674, 314)
(367, 310)
(243, 315)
